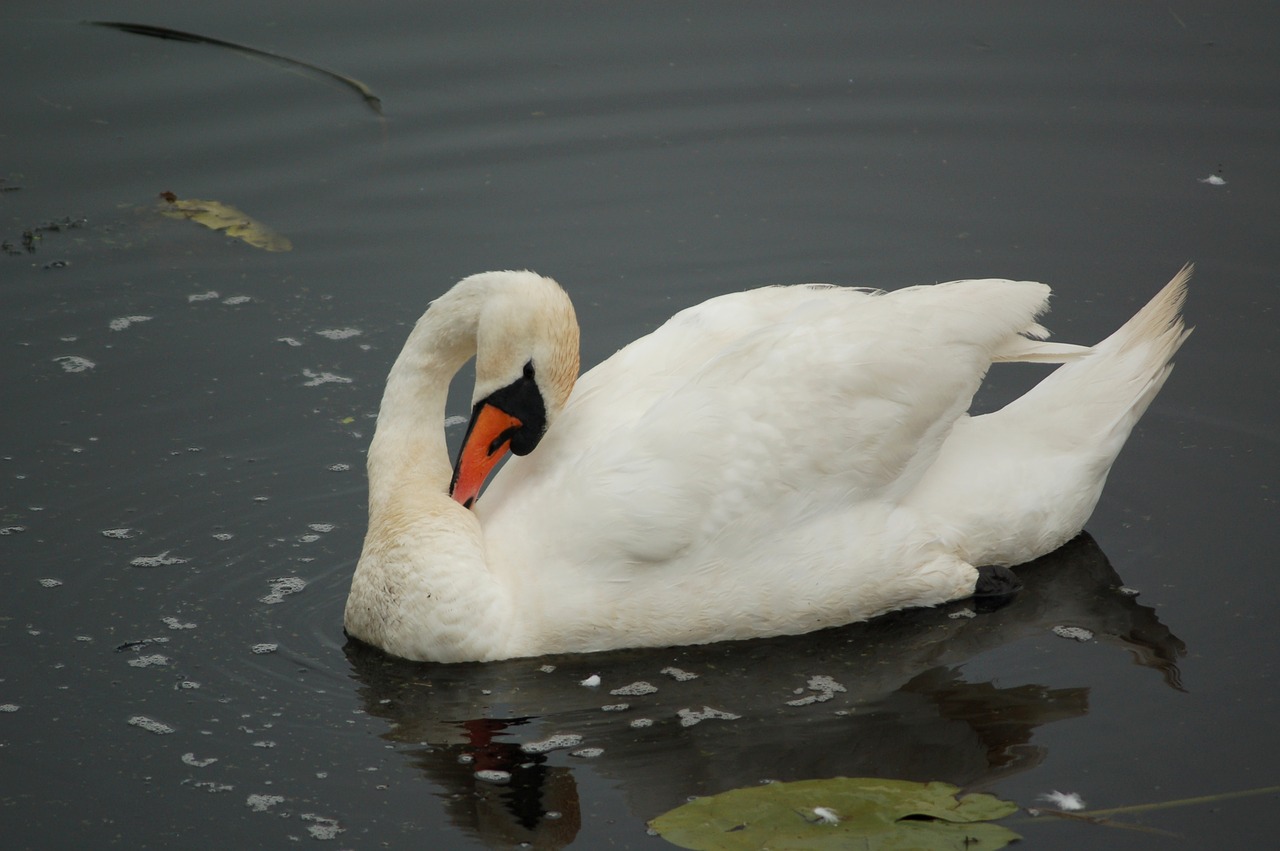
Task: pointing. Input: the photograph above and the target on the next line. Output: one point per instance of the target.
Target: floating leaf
(218, 216)
(843, 812)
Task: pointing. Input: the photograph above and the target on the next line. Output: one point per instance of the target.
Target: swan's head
(526, 365)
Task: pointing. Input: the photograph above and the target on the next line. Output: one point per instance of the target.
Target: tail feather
(1017, 483)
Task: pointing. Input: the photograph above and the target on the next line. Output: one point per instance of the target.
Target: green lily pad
(843, 812)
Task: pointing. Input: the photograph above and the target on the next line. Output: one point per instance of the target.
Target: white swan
(769, 462)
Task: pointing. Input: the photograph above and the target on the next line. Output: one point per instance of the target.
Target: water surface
(182, 455)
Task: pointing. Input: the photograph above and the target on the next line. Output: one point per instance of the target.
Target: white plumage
(768, 462)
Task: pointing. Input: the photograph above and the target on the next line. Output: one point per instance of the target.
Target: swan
(768, 462)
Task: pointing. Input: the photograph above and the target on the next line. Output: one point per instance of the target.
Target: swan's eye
(528, 370)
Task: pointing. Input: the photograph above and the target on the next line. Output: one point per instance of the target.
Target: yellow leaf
(218, 216)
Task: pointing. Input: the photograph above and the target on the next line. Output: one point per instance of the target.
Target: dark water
(648, 156)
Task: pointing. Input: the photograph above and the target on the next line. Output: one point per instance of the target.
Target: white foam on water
(635, 689)
(74, 363)
(151, 725)
(125, 321)
(557, 742)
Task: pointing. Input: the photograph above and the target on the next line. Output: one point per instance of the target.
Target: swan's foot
(996, 586)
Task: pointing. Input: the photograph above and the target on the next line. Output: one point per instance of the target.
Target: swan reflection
(887, 698)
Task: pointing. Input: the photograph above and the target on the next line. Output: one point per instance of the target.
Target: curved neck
(408, 450)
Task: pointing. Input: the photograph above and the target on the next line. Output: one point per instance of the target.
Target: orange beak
(487, 441)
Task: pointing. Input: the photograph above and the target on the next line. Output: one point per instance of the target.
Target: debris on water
(825, 687)
(282, 587)
(636, 689)
(161, 560)
(187, 685)
(1075, 633)
(493, 775)
(678, 675)
(151, 725)
(1213, 180)
(262, 803)
(587, 753)
(322, 827)
(125, 321)
(639, 723)
(265, 743)
(690, 717)
(119, 534)
(139, 643)
(74, 363)
(190, 759)
(1065, 801)
(50, 583)
(591, 681)
(155, 660)
(205, 296)
(552, 743)
(174, 623)
(263, 649)
(340, 333)
(318, 378)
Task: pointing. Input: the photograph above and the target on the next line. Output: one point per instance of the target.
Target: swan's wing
(760, 409)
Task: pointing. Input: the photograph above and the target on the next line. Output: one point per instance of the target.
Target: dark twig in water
(374, 102)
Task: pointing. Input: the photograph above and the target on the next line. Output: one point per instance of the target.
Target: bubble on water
(119, 534)
(190, 759)
(340, 333)
(678, 675)
(125, 321)
(690, 717)
(262, 803)
(1075, 633)
(289, 341)
(74, 363)
(237, 299)
(263, 649)
(587, 753)
(466, 758)
(50, 583)
(282, 587)
(318, 378)
(489, 775)
(9, 707)
(151, 725)
(174, 623)
(161, 560)
(552, 743)
(322, 827)
(320, 527)
(615, 707)
(152, 661)
(825, 687)
(210, 786)
(639, 723)
(634, 690)
(12, 530)
(205, 296)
